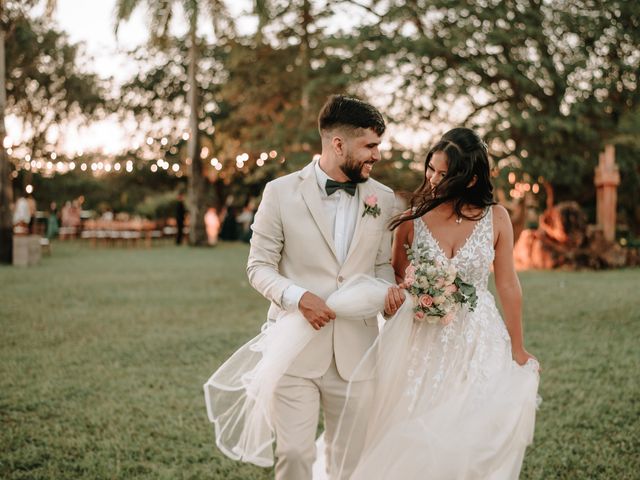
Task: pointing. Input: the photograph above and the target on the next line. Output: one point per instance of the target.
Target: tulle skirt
(450, 402)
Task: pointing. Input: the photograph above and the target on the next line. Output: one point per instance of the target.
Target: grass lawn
(103, 353)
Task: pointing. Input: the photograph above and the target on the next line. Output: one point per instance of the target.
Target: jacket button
(340, 279)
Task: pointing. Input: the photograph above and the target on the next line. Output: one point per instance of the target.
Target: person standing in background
(52, 221)
(180, 213)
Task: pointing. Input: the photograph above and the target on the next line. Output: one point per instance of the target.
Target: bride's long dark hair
(467, 164)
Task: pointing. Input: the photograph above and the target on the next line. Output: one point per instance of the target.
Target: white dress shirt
(342, 212)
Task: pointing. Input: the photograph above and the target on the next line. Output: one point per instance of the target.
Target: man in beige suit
(315, 229)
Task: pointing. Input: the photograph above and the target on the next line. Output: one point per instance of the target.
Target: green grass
(103, 353)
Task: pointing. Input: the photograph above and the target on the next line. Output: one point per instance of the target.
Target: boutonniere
(371, 206)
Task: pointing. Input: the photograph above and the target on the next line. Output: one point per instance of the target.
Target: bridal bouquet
(437, 290)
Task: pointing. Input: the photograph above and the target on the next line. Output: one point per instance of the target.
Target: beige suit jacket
(292, 244)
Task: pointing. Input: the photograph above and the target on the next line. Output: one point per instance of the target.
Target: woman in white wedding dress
(453, 401)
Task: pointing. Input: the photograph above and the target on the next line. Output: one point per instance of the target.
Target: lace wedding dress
(450, 402)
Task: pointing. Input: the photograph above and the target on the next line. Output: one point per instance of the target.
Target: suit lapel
(311, 197)
(364, 189)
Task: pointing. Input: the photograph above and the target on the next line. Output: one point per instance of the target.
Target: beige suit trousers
(296, 407)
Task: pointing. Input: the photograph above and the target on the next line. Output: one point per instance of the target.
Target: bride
(454, 401)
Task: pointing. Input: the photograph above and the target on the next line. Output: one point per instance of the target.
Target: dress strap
(488, 227)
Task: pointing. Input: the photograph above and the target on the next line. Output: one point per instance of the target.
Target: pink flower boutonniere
(371, 206)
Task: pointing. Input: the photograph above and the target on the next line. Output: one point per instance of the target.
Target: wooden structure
(607, 179)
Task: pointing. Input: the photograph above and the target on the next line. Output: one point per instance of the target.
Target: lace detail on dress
(465, 350)
(473, 260)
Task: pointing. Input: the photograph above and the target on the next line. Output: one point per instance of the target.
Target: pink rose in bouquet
(425, 301)
(410, 275)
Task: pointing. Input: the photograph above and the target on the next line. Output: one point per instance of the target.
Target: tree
(161, 13)
(42, 86)
(547, 83)
(6, 192)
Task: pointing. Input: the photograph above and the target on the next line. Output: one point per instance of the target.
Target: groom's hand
(315, 310)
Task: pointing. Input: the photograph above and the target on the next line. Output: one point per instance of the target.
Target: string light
(52, 164)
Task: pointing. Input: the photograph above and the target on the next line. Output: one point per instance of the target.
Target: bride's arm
(402, 237)
(507, 283)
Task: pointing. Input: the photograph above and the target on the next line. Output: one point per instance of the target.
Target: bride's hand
(521, 356)
(393, 300)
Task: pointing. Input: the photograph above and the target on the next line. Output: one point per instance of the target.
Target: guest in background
(212, 225)
(229, 231)
(33, 208)
(180, 214)
(107, 215)
(245, 219)
(75, 215)
(21, 216)
(65, 214)
(52, 221)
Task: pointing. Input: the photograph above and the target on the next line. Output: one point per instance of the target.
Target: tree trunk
(197, 231)
(305, 53)
(6, 192)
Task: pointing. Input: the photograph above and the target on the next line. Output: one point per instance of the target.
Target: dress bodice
(473, 260)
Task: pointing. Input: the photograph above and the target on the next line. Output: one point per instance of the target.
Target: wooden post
(607, 179)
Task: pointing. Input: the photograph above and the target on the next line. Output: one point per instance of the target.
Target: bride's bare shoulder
(501, 221)
(404, 231)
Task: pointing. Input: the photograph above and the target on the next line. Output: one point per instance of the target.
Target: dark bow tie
(332, 186)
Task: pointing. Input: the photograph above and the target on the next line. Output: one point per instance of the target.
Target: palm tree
(160, 14)
(6, 188)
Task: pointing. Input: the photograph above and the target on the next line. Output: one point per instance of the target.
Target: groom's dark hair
(341, 111)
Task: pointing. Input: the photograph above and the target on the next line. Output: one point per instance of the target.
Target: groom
(315, 229)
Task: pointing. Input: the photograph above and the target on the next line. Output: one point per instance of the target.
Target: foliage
(547, 83)
(46, 87)
(162, 205)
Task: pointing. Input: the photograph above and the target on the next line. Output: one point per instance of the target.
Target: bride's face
(437, 169)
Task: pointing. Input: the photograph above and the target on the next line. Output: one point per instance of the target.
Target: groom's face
(361, 151)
